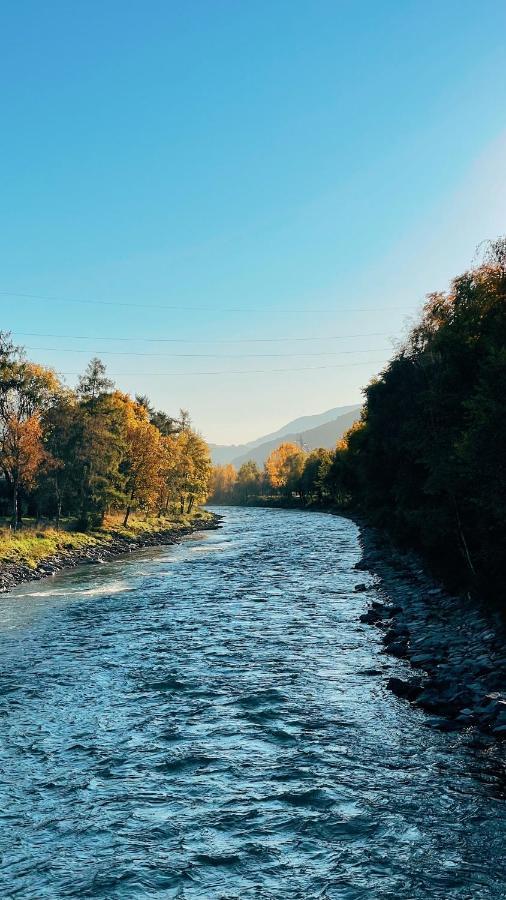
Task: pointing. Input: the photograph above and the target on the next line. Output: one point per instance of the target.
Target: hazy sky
(238, 172)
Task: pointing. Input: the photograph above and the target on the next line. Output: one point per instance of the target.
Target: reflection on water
(202, 722)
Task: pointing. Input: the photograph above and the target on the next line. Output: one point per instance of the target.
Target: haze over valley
(318, 430)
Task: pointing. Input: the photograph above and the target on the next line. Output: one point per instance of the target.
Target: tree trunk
(58, 502)
(190, 504)
(463, 537)
(181, 504)
(15, 510)
(127, 513)
(83, 506)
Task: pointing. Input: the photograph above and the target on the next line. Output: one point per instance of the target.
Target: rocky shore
(455, 645)
(13, 574)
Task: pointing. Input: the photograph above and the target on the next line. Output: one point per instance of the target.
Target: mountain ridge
(329, 426)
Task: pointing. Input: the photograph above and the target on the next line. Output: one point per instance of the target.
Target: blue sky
(314, 167)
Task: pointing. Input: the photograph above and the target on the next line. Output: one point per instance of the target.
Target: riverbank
(35, 554)
(455, 644)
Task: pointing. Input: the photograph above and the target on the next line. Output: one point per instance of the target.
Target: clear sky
(238, 172)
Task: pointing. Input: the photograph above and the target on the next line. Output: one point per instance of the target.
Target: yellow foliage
(282, 463)
(223, 479)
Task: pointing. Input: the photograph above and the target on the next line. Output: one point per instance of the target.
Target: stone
(396, 633)
(423, 660)
(408, 690)
(371, 617)
(398, 649)
(448, 725)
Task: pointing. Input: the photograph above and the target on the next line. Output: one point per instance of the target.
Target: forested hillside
(324, 435)
(427, 458)
(78, 454)
(297, 428)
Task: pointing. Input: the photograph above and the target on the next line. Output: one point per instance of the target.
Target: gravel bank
(455, 644)
(13, 574)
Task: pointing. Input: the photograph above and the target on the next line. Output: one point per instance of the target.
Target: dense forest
(77, 454)
(426, 460)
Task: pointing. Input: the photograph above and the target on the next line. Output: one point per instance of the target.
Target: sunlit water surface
(197, 722)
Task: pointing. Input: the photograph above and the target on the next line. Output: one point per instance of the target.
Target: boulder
(408, 690)
(398, 649)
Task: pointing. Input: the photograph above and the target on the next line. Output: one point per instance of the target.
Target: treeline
(427, 459)
(289, 472)
(84, 452)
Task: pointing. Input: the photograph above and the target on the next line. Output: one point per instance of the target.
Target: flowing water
(202, 721)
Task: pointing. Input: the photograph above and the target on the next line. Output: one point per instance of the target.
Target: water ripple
(210, 721)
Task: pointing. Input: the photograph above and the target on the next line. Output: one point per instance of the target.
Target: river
(201, 721)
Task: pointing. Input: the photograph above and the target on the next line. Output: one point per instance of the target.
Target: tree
(314, 475)
(165, 424)
(143, 460)
(94, 382)
(222, 483)
(426, 460)
(284, 467)
(100, 452)
(22, 456)
(248, 481)
(27, 390)
(82, 453)
(193, 469)
(62, 428)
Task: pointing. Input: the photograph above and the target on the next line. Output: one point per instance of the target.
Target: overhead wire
(184, 308)
(370, 362)
(210, 355)
(165, 340)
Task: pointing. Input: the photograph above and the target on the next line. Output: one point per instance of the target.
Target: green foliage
(249, 480)
(313, 480)
(428, 458)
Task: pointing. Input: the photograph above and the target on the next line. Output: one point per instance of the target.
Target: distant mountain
(325, 435)
(222, 454)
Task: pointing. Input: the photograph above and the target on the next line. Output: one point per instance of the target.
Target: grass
(33, 543)
(30, 546)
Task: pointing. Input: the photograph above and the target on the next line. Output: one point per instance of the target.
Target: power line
(210, 355)
(152, 340)
(178, 308)
(371, 362)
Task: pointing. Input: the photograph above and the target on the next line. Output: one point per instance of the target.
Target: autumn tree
(284, 467)
(22, 456)
(83, 452)
(222, 483)
(142, 464)
(27, 391)
(193, 468)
